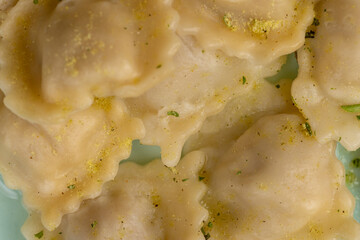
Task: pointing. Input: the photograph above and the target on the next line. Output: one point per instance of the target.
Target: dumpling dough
(259, 30)
(57, 55)
(5, 6)
(277, 182)
(239, 114)
(149, 202)
(200, 87)
(329, 74)
(56, 166)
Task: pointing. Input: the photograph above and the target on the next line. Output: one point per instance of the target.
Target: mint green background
(346, 158)
(13, 214)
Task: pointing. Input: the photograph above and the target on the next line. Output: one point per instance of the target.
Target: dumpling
(202, 84)
(56, 166)
(149, 202)
(328, 86)
(258, 30)
(277, 182)
(56, 56)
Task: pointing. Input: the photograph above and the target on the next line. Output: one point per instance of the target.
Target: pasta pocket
(277, 182)
(143, 202)
(56, 56)
(56, 166)
(258, 30)
(327, 88)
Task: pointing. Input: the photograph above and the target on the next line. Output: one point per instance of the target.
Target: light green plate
(13, 214)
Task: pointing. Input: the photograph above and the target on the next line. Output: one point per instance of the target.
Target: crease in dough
(56, 166)
(150, 202)
(56, 56)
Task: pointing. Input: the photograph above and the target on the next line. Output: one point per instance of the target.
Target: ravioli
(56, 56)
(143, 202)
(328, 85)
(56, 166)
(203, 83)
(258, 30)
(277, 182)
(83, 78)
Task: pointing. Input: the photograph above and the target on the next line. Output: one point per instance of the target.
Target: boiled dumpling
(149, 202)
(56, 56)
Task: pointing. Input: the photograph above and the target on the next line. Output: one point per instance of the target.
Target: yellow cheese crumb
(262, 27)
(229, 22)
(103, 103)
(92, 167)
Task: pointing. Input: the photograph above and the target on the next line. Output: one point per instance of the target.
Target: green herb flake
(238, 173)
(201, 178)
(60, 233)
(277, 85)
(159, 66)
(39, 235)
(243, 80)
(307, 127)
(93, 224)
(316, 22)
(71, 187)
(206, 235)
(310, 34)
(355, 108)
(350, 177)
(184, 180)
(173, 113)
(210, 225)
(358, 117)
(307, 48)
(356, 162)
(36, 1)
